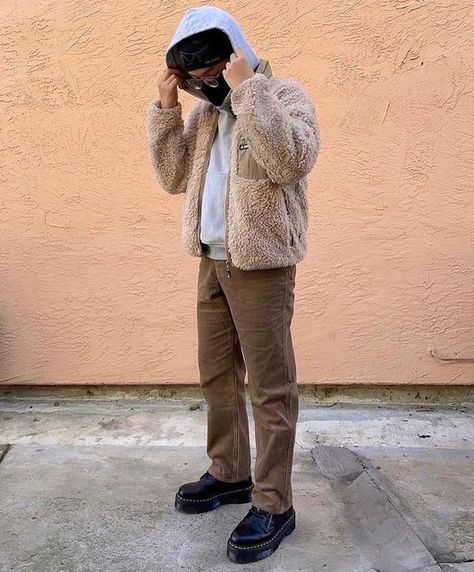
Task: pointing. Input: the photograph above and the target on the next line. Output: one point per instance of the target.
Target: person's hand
(168, 84)
(237, 69)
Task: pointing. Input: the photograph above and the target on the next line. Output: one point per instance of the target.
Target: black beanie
(203, 49)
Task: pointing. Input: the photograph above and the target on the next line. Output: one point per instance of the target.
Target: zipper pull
(227, 265)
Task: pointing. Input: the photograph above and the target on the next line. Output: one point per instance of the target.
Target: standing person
(242, 159)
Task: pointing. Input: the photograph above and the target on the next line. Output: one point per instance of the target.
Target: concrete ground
(88, 485)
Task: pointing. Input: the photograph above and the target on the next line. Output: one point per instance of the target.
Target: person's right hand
(168, 84)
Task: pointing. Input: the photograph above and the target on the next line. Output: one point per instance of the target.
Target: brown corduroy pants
(244, 327)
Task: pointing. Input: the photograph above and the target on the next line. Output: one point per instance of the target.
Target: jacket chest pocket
(247, 166)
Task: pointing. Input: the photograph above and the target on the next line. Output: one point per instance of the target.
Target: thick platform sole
(194, 506)
(244, 554)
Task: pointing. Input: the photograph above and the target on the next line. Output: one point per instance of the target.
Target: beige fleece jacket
(275, 144)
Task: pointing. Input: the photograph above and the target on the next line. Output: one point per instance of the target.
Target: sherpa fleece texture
(267, 217)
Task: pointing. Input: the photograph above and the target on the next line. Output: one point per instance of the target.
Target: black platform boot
(259, 534)
(208, 493)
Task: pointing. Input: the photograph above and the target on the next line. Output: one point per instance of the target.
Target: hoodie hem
(216, 251)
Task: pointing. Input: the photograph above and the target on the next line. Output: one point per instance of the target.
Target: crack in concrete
(376, 522)
(368, 467)
(4, 450)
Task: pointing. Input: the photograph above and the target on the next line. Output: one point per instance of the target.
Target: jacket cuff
(243, 96)
(163, 118)
(156, 104)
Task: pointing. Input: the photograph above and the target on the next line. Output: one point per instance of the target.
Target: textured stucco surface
(94, 284)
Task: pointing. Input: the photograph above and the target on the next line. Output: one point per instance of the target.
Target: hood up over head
(215, 35)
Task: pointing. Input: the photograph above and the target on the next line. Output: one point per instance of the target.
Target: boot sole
(242, 554)
(195, 506)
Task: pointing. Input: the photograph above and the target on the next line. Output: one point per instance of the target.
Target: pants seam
(286, 387)
(236, 409)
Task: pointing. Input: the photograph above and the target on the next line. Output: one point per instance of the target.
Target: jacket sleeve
(279, 120)
(171, 142)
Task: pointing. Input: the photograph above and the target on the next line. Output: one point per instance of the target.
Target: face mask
(216, 95)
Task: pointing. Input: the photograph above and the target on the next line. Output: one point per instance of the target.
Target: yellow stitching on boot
(263, 543)
(215, 496)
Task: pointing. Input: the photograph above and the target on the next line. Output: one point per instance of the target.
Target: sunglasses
(197, 83)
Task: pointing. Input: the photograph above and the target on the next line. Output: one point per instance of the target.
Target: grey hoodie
(215, 187)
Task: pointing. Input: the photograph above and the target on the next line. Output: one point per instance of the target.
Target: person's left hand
(237, 69)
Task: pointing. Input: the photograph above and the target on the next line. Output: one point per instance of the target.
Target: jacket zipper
(288, 217)
(227, 253)
(203, 180)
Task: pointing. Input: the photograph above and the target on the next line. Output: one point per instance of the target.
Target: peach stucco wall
(94, 284)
